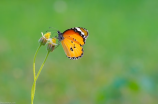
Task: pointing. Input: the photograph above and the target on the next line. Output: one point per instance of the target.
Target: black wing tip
(80, 33)
(74, 28)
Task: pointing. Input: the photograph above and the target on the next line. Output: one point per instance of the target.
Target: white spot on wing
(78, 29)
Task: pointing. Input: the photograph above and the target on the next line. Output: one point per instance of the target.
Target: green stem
(34, 74)
(42, 65)
(33, 91)
(36, 77)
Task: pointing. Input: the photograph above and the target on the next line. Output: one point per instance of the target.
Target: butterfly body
(72, 41)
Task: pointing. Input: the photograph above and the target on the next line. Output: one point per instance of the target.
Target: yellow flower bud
(43, 40)
(47, 35)
(51, 44)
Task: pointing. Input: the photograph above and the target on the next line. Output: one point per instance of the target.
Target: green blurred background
(120, 62)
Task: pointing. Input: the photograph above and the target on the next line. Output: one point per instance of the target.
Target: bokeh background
(120, 62)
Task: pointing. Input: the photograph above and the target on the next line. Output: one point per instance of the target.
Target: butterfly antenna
(53, 28)
(54, 33)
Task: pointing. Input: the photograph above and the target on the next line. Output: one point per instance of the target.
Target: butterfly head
(60, 36)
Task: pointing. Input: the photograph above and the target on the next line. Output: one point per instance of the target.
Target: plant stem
(34, 74)
(35, 79)
(33, 91)
(42, 65)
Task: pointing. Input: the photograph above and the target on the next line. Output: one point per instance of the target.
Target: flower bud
(43, 40)
(51, 44)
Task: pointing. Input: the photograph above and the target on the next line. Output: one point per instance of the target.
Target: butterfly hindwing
(72, 49)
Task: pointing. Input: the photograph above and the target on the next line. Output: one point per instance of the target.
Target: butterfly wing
(72, 41)
(78, 34)
(83, 32)
(73, 49)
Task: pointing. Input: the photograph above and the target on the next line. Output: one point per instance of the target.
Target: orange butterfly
(72, 41)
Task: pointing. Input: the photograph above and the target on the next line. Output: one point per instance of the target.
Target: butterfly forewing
(83, 32)
(71, 33)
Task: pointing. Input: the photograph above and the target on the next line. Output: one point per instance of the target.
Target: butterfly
(72, 41)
